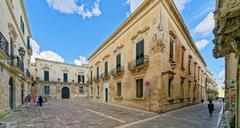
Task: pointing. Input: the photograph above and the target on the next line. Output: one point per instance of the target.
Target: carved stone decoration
(140, 32)
(158, 40)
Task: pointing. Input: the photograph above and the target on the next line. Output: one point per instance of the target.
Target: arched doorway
(11, 94)
(65, 93)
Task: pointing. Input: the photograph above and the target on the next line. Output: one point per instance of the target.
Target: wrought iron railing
(117, 70)
(4, 46)
(17, 62)
(138, 62)
(105, 75)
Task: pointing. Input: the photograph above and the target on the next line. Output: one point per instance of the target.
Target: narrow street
(88, 114)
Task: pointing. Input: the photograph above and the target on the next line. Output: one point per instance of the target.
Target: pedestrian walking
(37, 100)
(202, 101)
(210, 107)
(27, 101)
(40, 101)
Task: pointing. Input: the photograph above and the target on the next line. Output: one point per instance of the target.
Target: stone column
(231, 77)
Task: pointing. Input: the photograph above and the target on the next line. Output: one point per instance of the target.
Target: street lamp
(21, 52)
(173, 65)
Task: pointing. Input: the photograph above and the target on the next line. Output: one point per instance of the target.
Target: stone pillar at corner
(227, 44)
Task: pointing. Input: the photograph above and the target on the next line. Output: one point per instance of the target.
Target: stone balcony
(96, 79)
(118, 72)
(4, 46)
(139, 65)
(105, 76)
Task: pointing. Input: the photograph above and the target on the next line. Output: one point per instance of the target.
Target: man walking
(210, 107)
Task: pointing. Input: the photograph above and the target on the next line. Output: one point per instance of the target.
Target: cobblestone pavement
(191, 117)
(88, 114)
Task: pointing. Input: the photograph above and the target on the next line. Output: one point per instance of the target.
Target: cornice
(124, 26)
(182, 27)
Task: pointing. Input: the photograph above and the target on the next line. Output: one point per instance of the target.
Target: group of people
(38, 100)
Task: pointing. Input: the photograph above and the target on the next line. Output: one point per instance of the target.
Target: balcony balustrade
(117, 71)
(16, 64)
(139, 63)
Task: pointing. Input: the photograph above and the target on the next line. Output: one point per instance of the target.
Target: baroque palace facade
(227, 45)
(15, 52)
(59, 80)
(149, 62)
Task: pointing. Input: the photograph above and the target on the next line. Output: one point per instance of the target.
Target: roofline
(179, 17)
(120, 27)
(137, 11)
(82, 66)
(26, 17)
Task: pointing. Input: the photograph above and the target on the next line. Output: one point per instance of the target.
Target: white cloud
(181, 4)
(46, 55)
(71, 7)
(221, 78)
(202, 44)
(206, 26)
(134, 4)
(81, 60)
(50, 55)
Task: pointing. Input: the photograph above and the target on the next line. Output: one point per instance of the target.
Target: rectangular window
(139, 88)
(65, 77)
(183, 55)
(106, 68)
(198, 73)
(91, 91)
(182, 89)
(97, 90)
(97, 75)
(189, 64)
(140, 53)
(194, 71)
(118, 62)
(46, 75)
(46, 90)
(189, 87)
(169, 88)
(22, 25)
(119, 89)
(171, 52)
(91, 76)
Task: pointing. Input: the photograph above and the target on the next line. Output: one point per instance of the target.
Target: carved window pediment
(140, 32)
(12, 31)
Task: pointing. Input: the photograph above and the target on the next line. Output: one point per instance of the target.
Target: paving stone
(74, 114)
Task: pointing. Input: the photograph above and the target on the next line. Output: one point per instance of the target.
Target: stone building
(227, 45)
(211, 84)
(15, 52)
(59, 80)
(149, 62)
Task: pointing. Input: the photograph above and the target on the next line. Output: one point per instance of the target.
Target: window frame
(139, 88)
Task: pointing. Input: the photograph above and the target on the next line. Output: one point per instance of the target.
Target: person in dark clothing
(40, 101)
(202, 101)
(210, 108)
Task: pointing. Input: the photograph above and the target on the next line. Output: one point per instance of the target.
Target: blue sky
(70, 30)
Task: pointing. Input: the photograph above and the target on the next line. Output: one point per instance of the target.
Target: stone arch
(11, 93)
